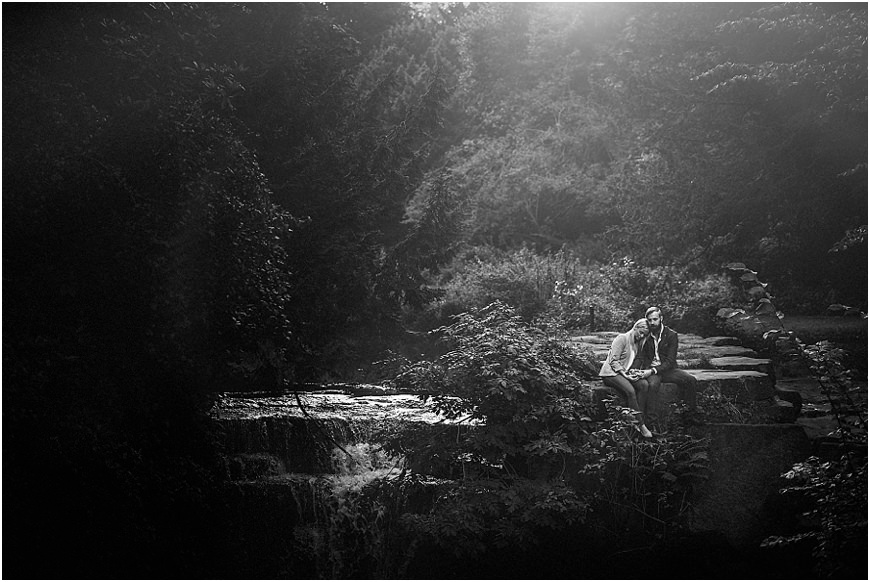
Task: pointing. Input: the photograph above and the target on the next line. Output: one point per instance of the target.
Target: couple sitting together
(641, 359)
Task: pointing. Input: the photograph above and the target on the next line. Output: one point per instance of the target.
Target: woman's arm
(618, 350)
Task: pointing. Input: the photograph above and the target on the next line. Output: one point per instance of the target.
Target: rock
(780, 411)
(298, 444)
(745, 386)
(255, 431)
(723, 341)
(844, 310)
(791, 368)
(729, 312)
(660, 403)
(792, 396)
(721, 351)
(603, 337)
(747, 462)
(832, 449)
(737, 363)
(370, 390)
(247, 467)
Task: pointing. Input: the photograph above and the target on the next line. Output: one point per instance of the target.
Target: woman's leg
(641, 387)
(625, 387)
(631, 391)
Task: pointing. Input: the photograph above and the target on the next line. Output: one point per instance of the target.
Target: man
(660, 351)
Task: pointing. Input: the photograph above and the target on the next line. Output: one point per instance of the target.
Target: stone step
(741, 363)
(686, 354)
(741, 387)
(744, 385)
(719, 340)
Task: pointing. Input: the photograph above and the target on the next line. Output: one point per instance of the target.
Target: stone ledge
(600, 352)
(746, 386)
(741, 363)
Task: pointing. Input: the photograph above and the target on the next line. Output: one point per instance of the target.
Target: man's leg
(653, 401)
(687, 383)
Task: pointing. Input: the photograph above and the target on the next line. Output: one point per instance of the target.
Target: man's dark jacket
(668, 345)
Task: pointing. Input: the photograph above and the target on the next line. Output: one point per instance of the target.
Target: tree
(152, 266)
(752, 155)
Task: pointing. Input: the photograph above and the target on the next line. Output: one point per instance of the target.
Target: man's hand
(635, 374)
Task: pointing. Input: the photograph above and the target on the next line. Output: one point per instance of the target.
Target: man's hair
(653, 310)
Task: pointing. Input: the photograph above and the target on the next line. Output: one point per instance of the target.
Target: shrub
(591, 303)
(524, 387)
(640, 488)
(688, 301)
(522, 279)
(836, 494)
(561, 291)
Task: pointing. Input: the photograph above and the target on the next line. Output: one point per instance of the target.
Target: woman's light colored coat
(621, 355)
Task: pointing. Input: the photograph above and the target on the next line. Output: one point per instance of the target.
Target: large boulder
(747, 463)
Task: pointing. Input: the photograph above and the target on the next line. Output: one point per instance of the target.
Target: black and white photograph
(434, 290)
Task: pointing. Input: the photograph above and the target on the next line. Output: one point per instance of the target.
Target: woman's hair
(639, 323)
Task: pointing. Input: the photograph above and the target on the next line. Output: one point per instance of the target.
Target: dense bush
(689, 300)
(523, 387)
(563, 291)
(522, 278)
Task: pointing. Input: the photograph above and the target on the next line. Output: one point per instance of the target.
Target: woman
(617, 372)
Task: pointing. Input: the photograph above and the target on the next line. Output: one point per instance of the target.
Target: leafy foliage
(670, 132)
(474, 517)
(689, 301)
(564, 290)
(521, 385)
(641, 487)
(836, 522)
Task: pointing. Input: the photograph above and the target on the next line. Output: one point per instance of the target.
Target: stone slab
(722, 340)
(689, 352)
(328, 404)
(698, 341)
(746, 385)
(717, 351)
(739, 363)
(605, 338)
